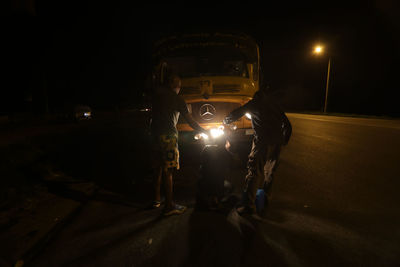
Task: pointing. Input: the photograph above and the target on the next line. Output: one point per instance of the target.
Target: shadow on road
(216, 238)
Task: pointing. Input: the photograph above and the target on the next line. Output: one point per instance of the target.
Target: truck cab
(219, 72)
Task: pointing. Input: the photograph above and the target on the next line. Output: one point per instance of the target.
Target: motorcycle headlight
(214, 132)
(217, 132)
(248, 116)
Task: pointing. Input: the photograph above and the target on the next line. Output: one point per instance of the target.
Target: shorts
(167, 152)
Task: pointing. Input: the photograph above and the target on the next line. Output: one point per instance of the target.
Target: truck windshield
(208, 66)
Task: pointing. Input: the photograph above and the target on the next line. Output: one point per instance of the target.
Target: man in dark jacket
(167, 106)
(272, 129)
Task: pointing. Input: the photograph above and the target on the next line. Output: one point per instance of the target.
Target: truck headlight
(201, 136)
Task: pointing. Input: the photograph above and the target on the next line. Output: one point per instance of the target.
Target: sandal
(177, 209)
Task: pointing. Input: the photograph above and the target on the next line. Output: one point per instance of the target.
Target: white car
(82, 112)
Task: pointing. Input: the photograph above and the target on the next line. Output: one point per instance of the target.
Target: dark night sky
(99, 53)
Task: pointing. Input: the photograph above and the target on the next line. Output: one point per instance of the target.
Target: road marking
(382, 123)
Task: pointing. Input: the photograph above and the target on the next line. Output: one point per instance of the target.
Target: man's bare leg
(168, 189)
(170, 206)
(157, 184)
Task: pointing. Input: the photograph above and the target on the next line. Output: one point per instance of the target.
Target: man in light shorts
(167, 105)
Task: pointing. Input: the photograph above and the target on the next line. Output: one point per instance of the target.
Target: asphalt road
(335, 202)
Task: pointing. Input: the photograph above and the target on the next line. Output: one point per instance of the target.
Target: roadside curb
(30, 254)
(84, 197)
(23, 241)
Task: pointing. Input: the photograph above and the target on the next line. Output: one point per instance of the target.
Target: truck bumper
(237, 136)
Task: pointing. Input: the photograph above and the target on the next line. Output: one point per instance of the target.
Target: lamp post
(319, 50)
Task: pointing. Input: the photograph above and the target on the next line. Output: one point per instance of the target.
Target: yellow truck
(219, 72)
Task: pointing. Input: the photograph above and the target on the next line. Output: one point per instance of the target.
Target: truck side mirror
(255, 72)
(163, 72)
(251, 70)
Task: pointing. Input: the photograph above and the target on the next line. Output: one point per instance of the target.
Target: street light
(319, 50)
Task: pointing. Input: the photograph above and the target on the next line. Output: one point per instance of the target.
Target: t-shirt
(266, 116)
(166, 108)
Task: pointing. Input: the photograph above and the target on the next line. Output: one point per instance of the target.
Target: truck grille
(218, 109)
(226, 88)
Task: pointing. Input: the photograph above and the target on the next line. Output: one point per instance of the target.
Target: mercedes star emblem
(207, 112)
